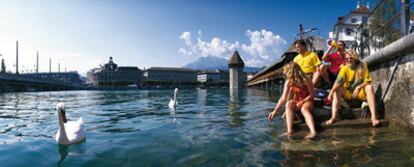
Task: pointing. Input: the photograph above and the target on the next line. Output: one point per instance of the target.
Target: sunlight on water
(210, 127)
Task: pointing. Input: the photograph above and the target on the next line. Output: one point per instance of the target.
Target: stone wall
(399, 100)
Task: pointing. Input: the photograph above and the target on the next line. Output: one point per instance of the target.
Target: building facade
(111, 75)
(170, 75)
(346, 28)
(213, 76)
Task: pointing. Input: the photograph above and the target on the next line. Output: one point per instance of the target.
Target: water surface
(210, 127)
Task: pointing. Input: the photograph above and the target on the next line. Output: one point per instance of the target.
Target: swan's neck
(63, 139)
(175, 96)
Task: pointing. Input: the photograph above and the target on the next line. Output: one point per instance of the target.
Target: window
(364, 19)
(349, 31)
(354, 20)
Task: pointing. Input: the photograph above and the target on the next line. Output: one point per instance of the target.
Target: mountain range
(212, 63)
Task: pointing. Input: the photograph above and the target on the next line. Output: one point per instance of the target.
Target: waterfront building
(89, 76)
(213, 76)
(170, 76)
(346, 27)
(236, 65)
(71, 77)
(112, 75)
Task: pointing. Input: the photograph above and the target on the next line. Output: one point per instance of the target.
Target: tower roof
(361, 9)
(236, 60)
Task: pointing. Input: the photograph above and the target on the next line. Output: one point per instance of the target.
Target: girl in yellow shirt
(353, 82)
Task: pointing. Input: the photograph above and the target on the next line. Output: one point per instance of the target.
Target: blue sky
(80, 35)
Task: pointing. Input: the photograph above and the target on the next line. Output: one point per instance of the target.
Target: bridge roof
(314, 43)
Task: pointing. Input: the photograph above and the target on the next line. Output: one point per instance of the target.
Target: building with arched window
(112, 75)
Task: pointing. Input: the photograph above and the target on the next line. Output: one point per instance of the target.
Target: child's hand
(271, 115)
(299, 104)
(329, 97)
(355, 93)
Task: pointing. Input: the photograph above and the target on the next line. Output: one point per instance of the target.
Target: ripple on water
(210, 127)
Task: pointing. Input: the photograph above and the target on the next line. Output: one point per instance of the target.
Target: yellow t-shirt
(347, 75)
(308, 61)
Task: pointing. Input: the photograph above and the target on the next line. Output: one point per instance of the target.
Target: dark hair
(300, 42)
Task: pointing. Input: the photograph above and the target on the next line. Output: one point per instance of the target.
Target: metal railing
(386, 23)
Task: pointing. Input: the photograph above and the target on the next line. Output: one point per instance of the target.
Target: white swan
(69, 132)
(174, 102)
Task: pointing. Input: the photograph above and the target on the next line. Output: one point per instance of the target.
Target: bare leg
(306, 112)
(284, 115)
(335, 106)
(315, 78)
(369, 91)
(290, 108)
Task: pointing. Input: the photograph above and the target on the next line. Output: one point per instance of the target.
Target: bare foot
(310, 136)
(375, 122)
(330, 122)
(287, 134)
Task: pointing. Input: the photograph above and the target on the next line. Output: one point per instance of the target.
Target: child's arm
(325, 56)
(281, 101)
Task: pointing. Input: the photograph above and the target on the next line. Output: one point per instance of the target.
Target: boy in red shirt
(336, 59)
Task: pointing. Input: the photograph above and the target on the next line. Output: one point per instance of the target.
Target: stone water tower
(236, 66)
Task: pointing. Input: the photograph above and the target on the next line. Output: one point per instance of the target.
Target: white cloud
(264, 46)
(216, 47)
(184, 52)
(186, 36)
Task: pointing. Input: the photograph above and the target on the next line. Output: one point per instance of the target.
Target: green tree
(383, 27)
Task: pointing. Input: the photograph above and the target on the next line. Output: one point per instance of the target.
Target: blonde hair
(294, 73)
(359, 66)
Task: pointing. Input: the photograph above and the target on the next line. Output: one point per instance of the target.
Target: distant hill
(212, 63)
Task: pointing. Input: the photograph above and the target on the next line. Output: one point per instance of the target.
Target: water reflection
(173, 112)
(335, 147)
(63, 153)
(213, 127)
(235, 105)
(201, 95)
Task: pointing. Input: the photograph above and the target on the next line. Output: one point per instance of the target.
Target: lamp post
(17, 57)
(3, 67)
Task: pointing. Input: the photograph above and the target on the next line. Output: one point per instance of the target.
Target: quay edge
(398, 101)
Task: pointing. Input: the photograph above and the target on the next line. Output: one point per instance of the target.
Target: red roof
(361, 9)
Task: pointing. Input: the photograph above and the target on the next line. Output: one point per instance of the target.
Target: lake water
(210, 127)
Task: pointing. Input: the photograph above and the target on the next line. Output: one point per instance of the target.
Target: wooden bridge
(271, 77)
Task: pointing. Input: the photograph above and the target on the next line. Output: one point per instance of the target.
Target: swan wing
(75, 130)
(172, 103)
